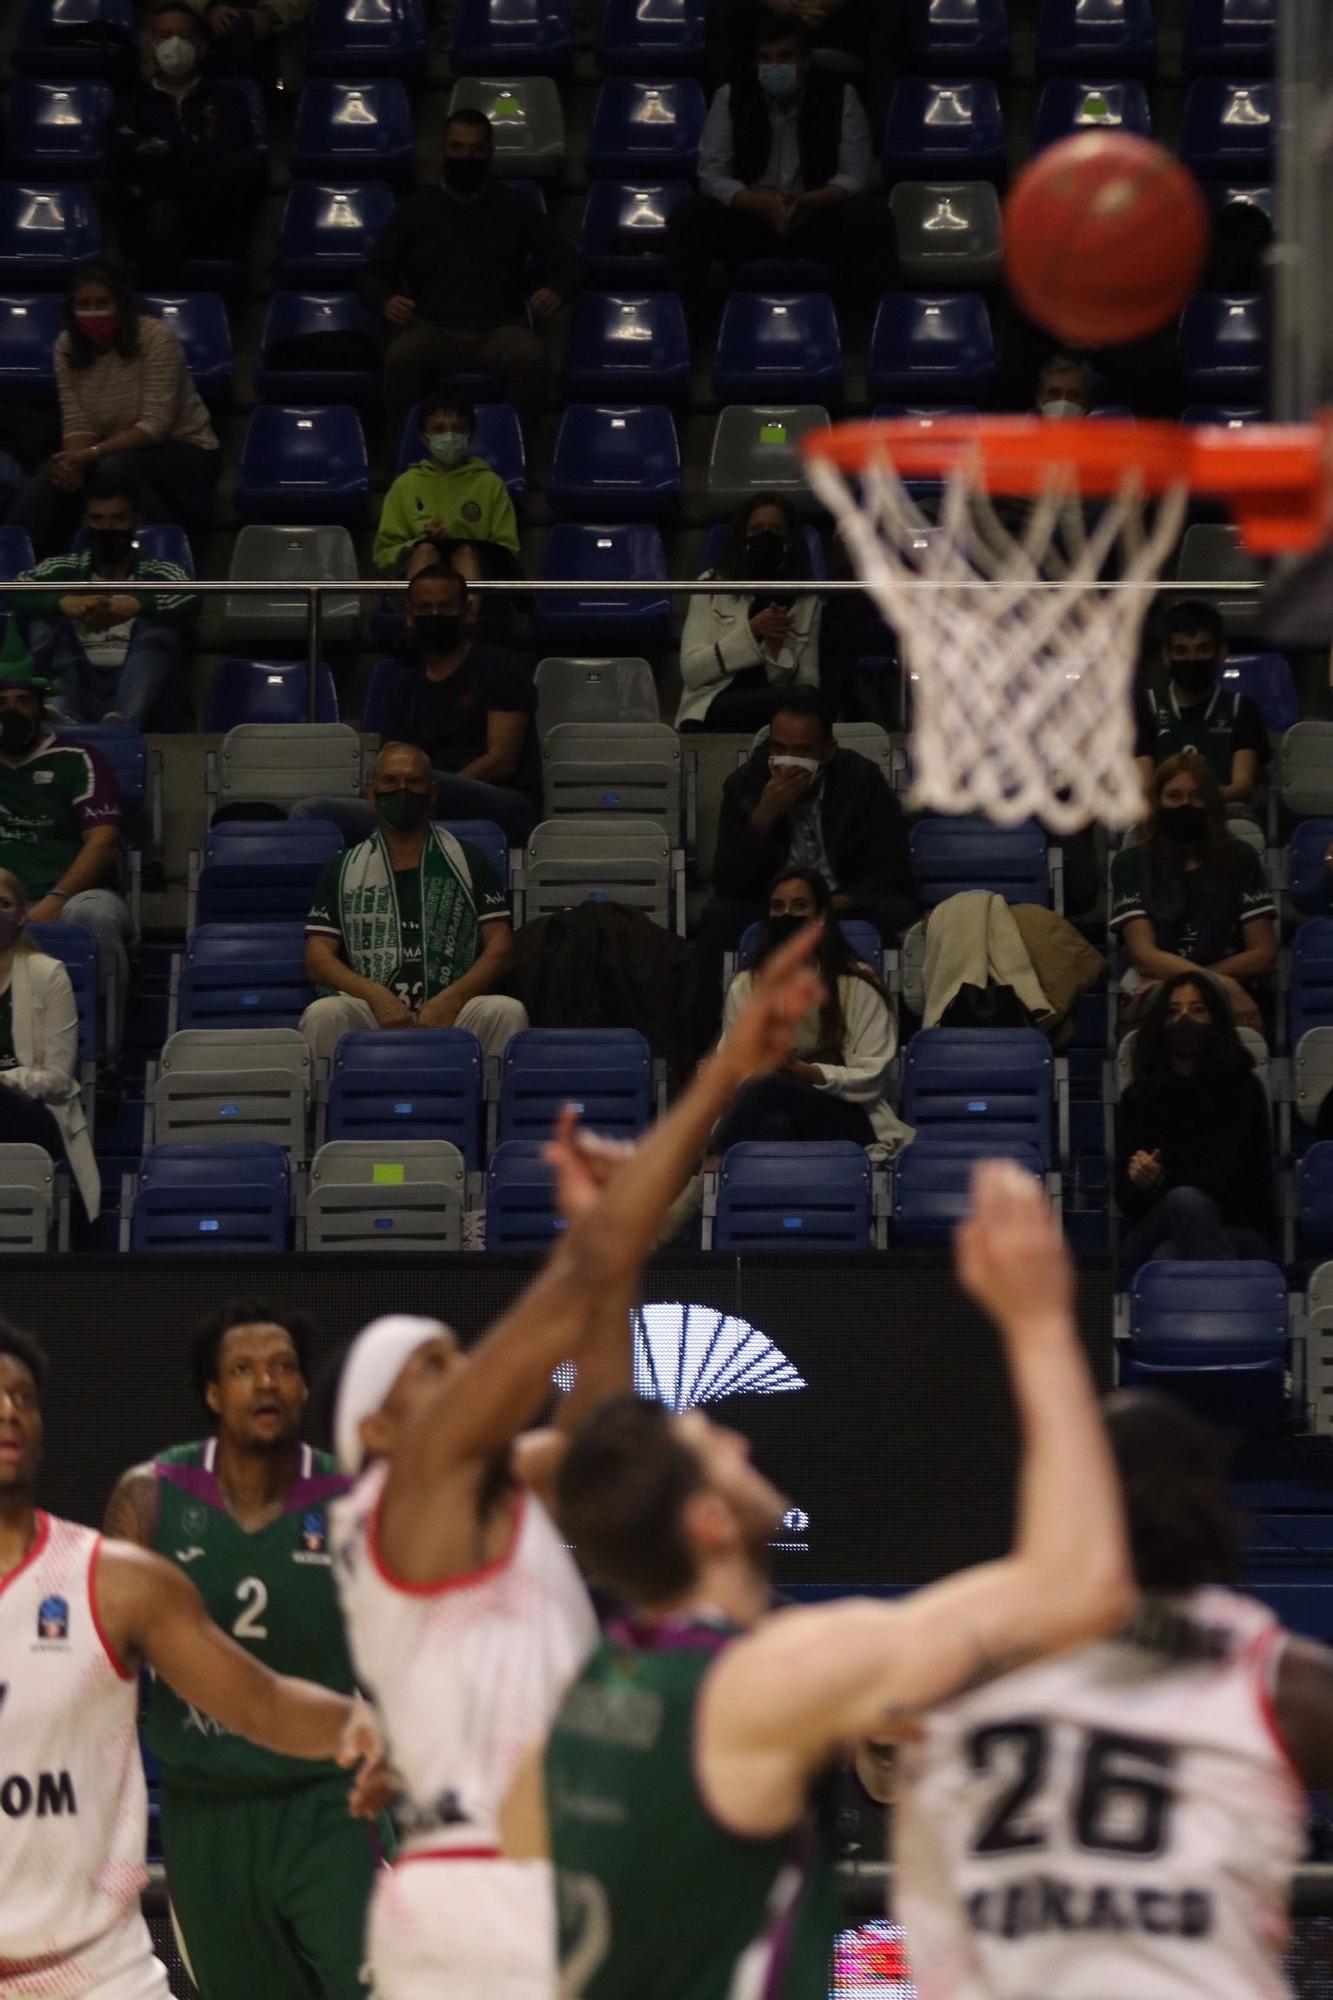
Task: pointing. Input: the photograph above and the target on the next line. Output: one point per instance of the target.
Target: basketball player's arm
(1303, 1704)
(780, 1703)
(131, 1512)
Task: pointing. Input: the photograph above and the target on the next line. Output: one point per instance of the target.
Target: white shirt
(782, 173)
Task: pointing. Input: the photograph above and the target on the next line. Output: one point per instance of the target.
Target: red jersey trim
(1262, 1649)
(125, 1673)
(39, 1542)
(450, 1854)
(467, 1581)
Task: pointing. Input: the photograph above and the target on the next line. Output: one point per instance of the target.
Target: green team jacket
(470, 502)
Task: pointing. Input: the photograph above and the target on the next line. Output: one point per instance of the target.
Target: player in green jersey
(269, 1875)
(690, 1773)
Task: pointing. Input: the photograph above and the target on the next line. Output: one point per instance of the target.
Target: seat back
(932, 1184)
(1312, 1069)
(1217, 1313)
(244, 975)
(604, 767)
(234, 1086)
(575, 860)
(78, 952)
(1266, 678)
(1314, 1196)
(954, 854)
(1212, 552)
(616, 691)
(949, 232)
(278, 764)
(275, 692)
(526, 119)
(815, 1196)
(291, 555)
(606, 1072)
(863, 938)
(490, 841)
(993, 1082)
(1305, 770)
(27, 1199)
(123, 747)
(210, 1198)
(756, 449)
(328, 232)
(1310, 999)
(366, 1195)
(425, 1083)
(520, 1198)
(256, 870)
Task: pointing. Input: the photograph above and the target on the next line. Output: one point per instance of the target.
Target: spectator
(1197, 715)
(740, 653)
(245, 36)
(1194, 1137)
(410, 927)
(126, 403)
(1191, 897)
(111, 653)
(182, 155)
(451, 493)
(460, 273)
(1065, 387)
(60, 824)
(833, 1085)
(41, 1103)
(849, 34)
(784, 164)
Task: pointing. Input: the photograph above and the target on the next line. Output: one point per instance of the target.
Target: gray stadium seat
(594, 691)
(390, 1194)
(290, 555)
(526, 119)
(1312, 1073)
(280, 763)
(216, 1084)
(868, 739)
(1305, 769)
(754, 451)
(27, 1199)
(618, 860)
(1211, 552)
(949, 233)
(608, 767)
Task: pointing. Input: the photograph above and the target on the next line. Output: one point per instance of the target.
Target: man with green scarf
(409, 928)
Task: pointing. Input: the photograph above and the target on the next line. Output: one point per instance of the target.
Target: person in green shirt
(451, 494)
(691, 1772)
(270, 1875)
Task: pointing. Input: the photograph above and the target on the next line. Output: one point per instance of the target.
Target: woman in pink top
(126, 400)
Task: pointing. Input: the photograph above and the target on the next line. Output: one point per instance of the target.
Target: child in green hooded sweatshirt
(449, 493)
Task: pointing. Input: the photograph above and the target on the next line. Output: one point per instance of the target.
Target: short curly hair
(25, 1347)
(206, 1340)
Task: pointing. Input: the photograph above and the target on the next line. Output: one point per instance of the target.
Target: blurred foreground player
(692, 1770)
(269, 1874)
(466, 1616)
(78, 1616)
(1125, 1820)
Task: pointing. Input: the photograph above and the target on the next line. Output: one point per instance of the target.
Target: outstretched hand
(584, 1162)
(784, 990)
(1010, 1254)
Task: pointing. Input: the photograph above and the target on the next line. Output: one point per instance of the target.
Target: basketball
(1105, 237)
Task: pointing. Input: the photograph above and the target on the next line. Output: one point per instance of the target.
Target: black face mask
(1195, 678)
(466, 175)
(1186, 825)
(437, 632)
(403, 811)
(766, 553)
(18, 732)
(1189, 1038)
(110, 545)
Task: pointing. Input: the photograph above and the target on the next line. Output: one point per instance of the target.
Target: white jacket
(45, 1024)
(717, 642)
(869, 1046)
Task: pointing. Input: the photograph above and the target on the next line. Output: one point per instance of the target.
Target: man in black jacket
(460, 274)
(801, 801)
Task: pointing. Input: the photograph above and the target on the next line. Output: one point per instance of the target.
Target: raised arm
(780, 1702)
(1303, 1700)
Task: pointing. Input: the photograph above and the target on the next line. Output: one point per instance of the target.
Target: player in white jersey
(1124, 1821)
(466, 1617)
(78, 1615)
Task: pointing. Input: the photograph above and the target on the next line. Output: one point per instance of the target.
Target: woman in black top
(1194, 1141)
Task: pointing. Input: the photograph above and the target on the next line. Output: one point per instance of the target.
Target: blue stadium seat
(601, 624)
(28, 329)
(77, 38)
(1314, 1198)
(931, 347)
(77, 951)
(307, 465)
(204, 270)
(1229, 129)
(616, 462)
(959, 38)
(15, 551)
(511, 38)
(778, 349)
(645, 131)
(1229, 37)
(1066, 106)
(953, 854)
(361, 38)
(233, 1197)
(932, 1184)
(945, 132)
(266, 691)
(651, 37)
(996, 1082)
(327, 233)
(607, 1072)
(1096, 38)
(628, 346)
(254, 869)
(199, 321)
(1234, 418)
(1213, 1334)
(418, 1083)
(336, 318)
(155, 538)
(813, 1197)
(1267, 679)
(1223, 347)
(381, 678)
(715, 540)
(43, 232)
(356, 132)
(863, 938)
(244, 975)
(1310, 997)
(124, 749)
(520, 1199)
(57, 131)
(1308, 882)
(489, 840)
(623, 233)
(498, 439)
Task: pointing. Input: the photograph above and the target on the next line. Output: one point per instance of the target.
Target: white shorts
(119, 1965)
(463, 1930)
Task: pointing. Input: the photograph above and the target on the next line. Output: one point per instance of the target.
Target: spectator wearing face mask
(127, 404)
(1190, 897)
(1194, 1136)
(742, 651)
(181, 153)
(1065, 387)
(41, 1101)
(1195, 713)
(112, 651)
(409, 927)
(448, 494)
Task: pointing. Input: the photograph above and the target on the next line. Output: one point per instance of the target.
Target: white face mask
(807, 764)
(447, 447)
(1063, 406)
(175, 55)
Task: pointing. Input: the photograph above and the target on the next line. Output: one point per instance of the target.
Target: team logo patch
(314, 1538)
(194, 1520)
(470, 511)
(53, 1618)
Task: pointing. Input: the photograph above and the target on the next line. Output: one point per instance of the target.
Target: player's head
(1183, 1529)
(652, 1502)
(22, 1388)
(392, 1367)
(1194, 647)
(251, 1367)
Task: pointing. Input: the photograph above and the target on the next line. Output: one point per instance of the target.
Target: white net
(1022, 658)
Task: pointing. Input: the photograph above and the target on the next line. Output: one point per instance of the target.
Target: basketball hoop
(1022, 634)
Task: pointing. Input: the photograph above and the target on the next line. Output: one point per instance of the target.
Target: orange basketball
(1105, 237)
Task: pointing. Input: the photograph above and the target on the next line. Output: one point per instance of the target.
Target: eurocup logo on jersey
(53, 1620)
(314, 1538)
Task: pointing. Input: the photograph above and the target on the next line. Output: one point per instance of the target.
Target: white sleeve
(869, 1046)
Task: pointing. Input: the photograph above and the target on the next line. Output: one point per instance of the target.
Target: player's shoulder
(325, 1465)
(188, 1456)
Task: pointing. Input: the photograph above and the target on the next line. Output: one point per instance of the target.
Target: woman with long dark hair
(1194, 1138)
(833, 1086)
(127, 402)
(742, 651)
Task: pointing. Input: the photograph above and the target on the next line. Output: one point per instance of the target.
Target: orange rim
(1276, 478)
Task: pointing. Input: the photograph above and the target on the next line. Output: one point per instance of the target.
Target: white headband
(374, 1362)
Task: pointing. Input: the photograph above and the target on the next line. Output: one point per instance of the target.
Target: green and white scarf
(368, 912)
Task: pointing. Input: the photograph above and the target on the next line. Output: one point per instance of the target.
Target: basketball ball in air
(1105, 238)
